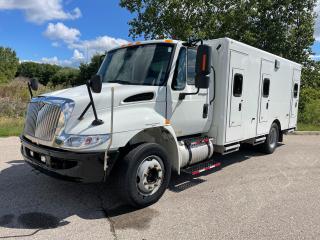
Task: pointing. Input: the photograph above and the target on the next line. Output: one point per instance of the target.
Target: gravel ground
(252, 196)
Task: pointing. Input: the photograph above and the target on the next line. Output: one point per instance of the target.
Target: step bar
(201, 167)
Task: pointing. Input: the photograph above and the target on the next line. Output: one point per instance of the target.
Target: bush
(87, 70)
(14, 97)
(309, 106)
(311, 113)
(8, 64)
(66, 77)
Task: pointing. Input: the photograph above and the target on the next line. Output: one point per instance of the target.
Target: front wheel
(144, 174)
(272, 139)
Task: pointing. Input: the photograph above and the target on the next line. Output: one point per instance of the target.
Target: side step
(259, 140)
(198, 168)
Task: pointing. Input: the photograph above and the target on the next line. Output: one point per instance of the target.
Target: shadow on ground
(31, 200)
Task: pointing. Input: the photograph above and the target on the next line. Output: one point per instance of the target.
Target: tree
(283, 27)
(43, 72)
(87, 70)
(8, 64)
(66, 77)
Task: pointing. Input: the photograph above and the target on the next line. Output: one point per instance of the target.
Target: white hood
(103, 100)
(128, 116)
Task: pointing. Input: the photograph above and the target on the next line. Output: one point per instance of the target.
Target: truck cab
(149, 111)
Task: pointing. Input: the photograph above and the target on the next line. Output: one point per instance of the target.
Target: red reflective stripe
(204, 61)
(206, 169)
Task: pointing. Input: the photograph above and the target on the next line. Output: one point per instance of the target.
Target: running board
(198, 168)
(259, 140)
(231, 149)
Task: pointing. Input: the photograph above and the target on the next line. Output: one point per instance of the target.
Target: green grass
(308, 127)
(11, 126)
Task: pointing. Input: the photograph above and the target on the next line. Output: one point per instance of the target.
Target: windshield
(137, 65)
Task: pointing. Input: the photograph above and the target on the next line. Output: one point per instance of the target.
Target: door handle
(240, 106)
(267, 106)
(205, 111)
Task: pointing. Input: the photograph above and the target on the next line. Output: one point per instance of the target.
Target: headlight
(81, 141)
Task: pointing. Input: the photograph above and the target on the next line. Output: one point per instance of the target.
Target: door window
(237, 85)
(180, 73)
(295, 90)
(266, 87)
(192, 56)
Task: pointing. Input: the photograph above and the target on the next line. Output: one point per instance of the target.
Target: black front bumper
(66, 165)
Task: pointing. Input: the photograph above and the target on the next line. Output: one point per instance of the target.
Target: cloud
(56, 61)
(59, 31)
(100, 44)
(77, 55)
(83, 50)
(40, 11)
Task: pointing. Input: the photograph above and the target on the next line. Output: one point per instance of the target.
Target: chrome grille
(42, 120)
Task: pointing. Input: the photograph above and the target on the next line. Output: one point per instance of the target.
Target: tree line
(47, 74)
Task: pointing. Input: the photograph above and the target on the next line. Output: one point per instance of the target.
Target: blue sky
(69, 32)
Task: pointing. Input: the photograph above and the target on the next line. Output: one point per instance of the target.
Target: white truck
(160, 106)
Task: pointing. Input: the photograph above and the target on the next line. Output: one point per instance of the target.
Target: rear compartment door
(294, 97)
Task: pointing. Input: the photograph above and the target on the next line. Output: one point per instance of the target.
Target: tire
(144, 175)
(272, 140)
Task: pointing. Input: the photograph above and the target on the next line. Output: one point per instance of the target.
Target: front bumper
(66, 165)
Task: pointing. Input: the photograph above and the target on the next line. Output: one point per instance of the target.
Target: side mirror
(202, 81)
(34, 84)
(203, 66)
(96, 83)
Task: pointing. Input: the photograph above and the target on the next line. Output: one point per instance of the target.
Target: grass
(11, 126)
(14, 97)
(308, 127)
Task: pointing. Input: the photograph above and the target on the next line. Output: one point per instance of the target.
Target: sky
(67, 32)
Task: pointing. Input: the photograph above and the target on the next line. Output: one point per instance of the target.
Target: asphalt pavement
(252, 196)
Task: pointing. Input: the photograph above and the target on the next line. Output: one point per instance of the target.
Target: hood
(123, 94)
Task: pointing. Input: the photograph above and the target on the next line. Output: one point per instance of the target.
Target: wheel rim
(150, 175)
(273, 135)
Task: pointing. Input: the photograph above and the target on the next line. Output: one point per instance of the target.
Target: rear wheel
(272, 139)
(144, 174)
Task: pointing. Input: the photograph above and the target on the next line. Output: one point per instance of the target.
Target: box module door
(294, 98)
(265, 92)
(193, 114)
(265, 98)
(236, 104)
(237, 96)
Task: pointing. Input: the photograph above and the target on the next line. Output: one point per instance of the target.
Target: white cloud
(77, 55)
(317, 24)
(59, 31)
(55, 44)
(56, 61)
(39, 11)
(97, 45)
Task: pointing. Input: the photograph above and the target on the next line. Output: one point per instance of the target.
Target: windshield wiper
(121, 82)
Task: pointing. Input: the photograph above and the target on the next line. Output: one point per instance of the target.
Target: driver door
(190, 115)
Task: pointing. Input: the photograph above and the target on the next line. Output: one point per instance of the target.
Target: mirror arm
(30, 91)
(182, 96)
(96, 121)
(84, 111)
